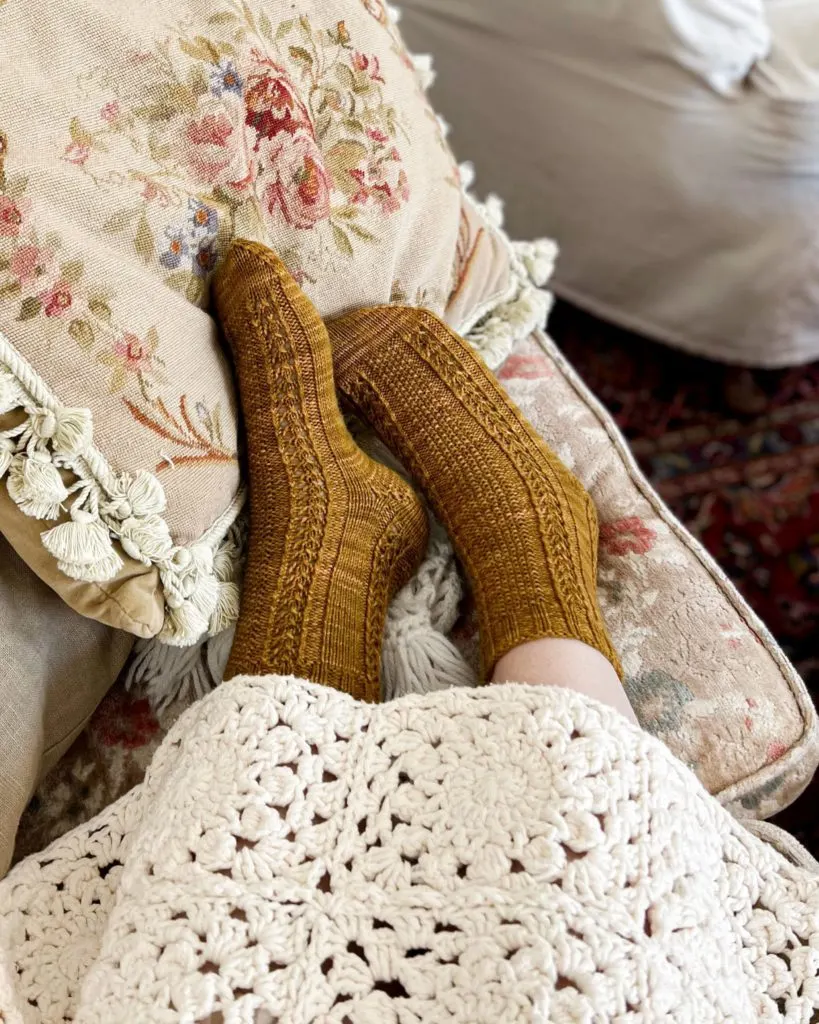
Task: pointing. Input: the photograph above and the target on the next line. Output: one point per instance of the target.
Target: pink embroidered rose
(368, 65)
(11, 217)
(30, 264)
(381, 181)
(272, 104)
(629, 535)
(77, 153)
(219, 151)
(57, 299)
(299, 193)
(133, 353)
(129, 355)
(110, 112)
(526, 366)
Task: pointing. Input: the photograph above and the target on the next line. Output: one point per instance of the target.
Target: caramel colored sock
(522, 525)
(333, 534)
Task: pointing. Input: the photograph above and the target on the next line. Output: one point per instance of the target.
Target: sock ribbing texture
(333, 534)
(524, 528)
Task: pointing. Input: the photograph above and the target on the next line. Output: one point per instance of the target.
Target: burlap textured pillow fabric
(136, 140)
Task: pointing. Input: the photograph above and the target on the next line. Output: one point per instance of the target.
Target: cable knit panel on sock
(509, 855)
(523, 526)
(333, 534)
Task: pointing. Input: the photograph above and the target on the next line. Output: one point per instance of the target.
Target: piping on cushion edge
(109, 509)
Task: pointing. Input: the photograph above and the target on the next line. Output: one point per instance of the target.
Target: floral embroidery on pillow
(280, 127)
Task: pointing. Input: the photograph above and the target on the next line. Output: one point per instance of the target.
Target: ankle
(568, 663)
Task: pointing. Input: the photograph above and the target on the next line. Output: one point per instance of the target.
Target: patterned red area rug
(747, 487)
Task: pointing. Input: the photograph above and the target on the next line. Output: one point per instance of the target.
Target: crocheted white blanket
(505, 855)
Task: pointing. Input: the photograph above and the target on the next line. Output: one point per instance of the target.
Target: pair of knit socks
(334, 534)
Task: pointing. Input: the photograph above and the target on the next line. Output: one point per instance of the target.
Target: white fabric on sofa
(672, 146)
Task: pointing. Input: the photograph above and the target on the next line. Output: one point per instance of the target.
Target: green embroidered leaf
(352, 124)
(343, 157)
(301, 57)
(159, 150)
(4, 264)
(79, 134)
(177, 96)
(15, 187)
(284, 28)
(265, 27)
(82, 332)
(345, 76)
(29, 308)
(178, 280)
(249, 17)
(195, 292)
(323, 124)
(72, 271)
(144, 241)
(100, 308)
(9, 289)
(342, 241)
(200, 49)
(362, 233)
(226, 49)
(198, 81)
(222, 18)
(119, 221)
(304, 21)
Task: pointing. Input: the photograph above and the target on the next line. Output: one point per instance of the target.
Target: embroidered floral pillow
(135, 141)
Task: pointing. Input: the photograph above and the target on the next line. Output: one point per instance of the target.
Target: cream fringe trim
(109, 512)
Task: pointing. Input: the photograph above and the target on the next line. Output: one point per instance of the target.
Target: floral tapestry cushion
(135, 142)
(701, 670)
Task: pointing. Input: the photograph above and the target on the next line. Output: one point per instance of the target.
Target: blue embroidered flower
(177, 249)
(225, 78)
(204, 259)
(660, 701)
(202, 219)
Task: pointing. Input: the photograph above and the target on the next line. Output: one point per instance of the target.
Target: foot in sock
(522, 525)
(333, 534)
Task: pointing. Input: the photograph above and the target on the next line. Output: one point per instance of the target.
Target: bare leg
(568, 663)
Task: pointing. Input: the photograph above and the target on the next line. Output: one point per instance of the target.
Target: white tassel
(83, 548)
(11, 394)
(35, 484)
(422, 62)
(417, 655)
(539, 258)
(74, 432)
(147, 540)
(226, 611)
(146, 496)
(205, 594)
(183, 625)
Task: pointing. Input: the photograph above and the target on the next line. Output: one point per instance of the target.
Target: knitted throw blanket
(503, 855)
